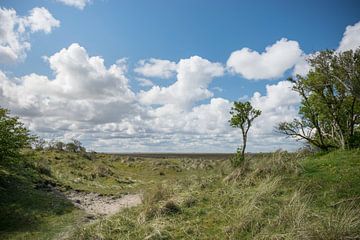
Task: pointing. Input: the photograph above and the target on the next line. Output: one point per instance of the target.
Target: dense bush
(13, 135)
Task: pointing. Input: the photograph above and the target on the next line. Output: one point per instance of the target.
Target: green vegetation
(27, 211)
(330, 107)
(276, 196)
(13, 135)
(242, 116)
(280, 196)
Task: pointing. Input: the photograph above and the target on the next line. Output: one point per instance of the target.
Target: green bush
(238, 159)
(13, 135)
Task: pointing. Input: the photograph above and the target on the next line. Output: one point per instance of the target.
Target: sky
(161, 76)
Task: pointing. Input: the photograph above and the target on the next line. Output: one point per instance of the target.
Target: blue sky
(175, 30)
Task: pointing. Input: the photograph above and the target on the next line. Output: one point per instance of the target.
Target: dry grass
(342, 223)
(275, 196)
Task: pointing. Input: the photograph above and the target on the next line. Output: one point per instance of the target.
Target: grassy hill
(276, 196)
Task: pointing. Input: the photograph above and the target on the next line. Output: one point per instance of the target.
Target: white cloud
(80, 4)
(143, 82)
(302, 67)
(83, 89)
(351, 38)
(193, 77)
(14, 31)
(94, 103)
(279, 104)
(40, 19)
(156, 68)
(272, 63)
(349, 41)
(93, 79)
(209, 118)
(219, 89)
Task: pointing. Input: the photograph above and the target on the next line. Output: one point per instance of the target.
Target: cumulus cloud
(93, 103)
(143, 82)
(83, 89)
(193, 77)
(302, 67)
(80, 4)
(349, 41)
(14, 31)
(272, 63)
(351, 38)
(40, 19)
(156, 68)
(210, 118)
(280, 103)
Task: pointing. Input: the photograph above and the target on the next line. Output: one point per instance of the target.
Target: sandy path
(96, 204)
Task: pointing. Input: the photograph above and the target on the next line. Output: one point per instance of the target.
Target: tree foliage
(74, 146)
(330, 106)
(243, 114)
(13, 135)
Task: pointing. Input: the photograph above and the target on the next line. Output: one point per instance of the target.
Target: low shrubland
(275, 196)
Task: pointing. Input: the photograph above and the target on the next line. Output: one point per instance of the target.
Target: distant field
(214, 156)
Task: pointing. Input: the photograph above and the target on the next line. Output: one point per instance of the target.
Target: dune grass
(274, 196)
(277, 196)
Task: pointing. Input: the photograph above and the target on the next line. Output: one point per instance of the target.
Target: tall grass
(269, 198)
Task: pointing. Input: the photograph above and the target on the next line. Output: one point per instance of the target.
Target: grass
(27, 212)
(274, 196)
(277, 196)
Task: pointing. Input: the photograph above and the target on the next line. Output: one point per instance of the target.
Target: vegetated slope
(30, 209)
(27, 212)
(278, 196)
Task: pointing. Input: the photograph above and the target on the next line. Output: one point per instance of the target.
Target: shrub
(13, 135)
(238, 159)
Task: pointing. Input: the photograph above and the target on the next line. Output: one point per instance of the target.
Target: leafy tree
(13, 135)
(70, 147)
(347, 70)
(60, 146)
(330, 108)
(74, 146)
(243, 114)
(78, 145)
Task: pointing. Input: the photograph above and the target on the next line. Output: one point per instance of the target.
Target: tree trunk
(244, 145)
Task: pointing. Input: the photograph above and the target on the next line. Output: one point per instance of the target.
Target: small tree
(75, 146)
(243, 114)
(59, 145)
(13, 135)
(70, 147)
(39, 144)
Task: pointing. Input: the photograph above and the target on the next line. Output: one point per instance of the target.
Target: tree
(330, 109)
(59, 145)
(75, 146)
(70, 147)
(347, 70)
(13, 135)
(243, 114)
(39, 144)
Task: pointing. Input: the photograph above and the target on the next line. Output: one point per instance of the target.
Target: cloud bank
(15, 31)
(94, 103)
